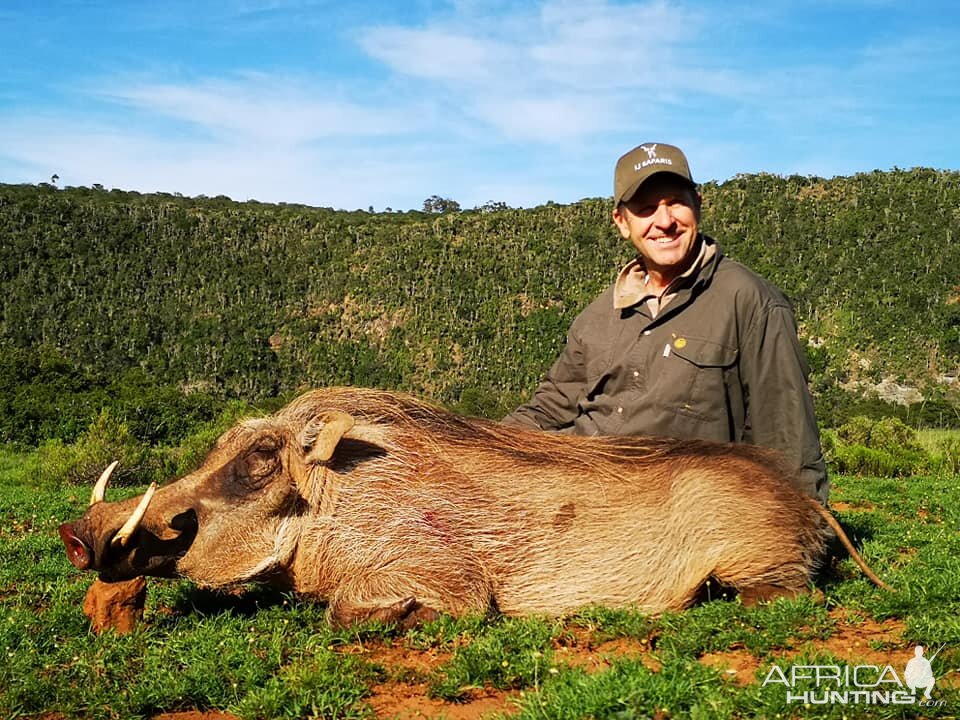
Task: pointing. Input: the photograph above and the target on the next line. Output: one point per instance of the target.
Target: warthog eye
(261, 464)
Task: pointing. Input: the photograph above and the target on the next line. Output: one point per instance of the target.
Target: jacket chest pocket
(597, 375)
(696, 372)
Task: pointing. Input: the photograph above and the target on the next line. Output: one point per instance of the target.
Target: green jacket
(721, 361)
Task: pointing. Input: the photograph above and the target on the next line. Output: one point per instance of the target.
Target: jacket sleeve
(554, 403)
(780, 411)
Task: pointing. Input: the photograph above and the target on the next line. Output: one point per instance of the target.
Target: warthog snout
(119, 541)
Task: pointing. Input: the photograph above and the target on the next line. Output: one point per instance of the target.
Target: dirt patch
(116, 605)
(841, 506)
(402, 661)
(196, 715)
(876, 642)
(578, 649)
(405, 695)
(951, 679)
(405, 701)
(740, 666)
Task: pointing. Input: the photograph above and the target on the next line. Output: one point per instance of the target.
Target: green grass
(932, 438)
(267, 655)
(507, 655)
(943, 446)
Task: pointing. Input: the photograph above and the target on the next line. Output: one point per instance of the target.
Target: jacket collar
(630, 288)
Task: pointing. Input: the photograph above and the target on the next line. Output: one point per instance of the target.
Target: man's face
(661, 220)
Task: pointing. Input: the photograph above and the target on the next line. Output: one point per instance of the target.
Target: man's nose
(662, 217)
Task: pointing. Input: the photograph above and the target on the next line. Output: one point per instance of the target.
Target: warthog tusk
(100, 488)
(130, 526)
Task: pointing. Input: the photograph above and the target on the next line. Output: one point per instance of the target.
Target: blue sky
(366, 103)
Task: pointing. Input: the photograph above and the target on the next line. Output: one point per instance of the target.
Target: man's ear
(321, 434)
(620, 220)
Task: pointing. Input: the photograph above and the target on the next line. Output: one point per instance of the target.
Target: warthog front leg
(410, 597)
(408, 613)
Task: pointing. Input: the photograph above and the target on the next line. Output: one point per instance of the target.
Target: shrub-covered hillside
(157, 301)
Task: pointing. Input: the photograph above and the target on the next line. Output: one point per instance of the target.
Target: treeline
(177, 305)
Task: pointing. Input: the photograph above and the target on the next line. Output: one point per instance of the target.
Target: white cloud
(550, 119)
(561, 72)
(265, 109)
(594, 44)
(438, 54)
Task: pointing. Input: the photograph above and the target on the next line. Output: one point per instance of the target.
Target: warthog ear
(320, 436)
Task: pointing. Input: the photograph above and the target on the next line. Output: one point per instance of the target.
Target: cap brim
(633, 187)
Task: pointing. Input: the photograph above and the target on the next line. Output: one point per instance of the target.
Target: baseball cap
(640, 164)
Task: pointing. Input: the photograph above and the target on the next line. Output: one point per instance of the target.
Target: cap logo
(642, 162)
(652, 159)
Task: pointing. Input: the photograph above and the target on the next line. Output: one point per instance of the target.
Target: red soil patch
(868, 640)
(402, 660)
(737, 665)
(116, 605)
(196, 715)
(405, 694)
(405, 701)
(845, 506)
(578, 649)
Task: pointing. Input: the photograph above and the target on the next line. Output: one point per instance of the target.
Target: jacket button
(619, 409)
(636, 373)
(646, 332)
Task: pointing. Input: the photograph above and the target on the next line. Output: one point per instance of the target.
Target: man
(686, 343)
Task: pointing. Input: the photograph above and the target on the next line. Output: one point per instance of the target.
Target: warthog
(392, 509)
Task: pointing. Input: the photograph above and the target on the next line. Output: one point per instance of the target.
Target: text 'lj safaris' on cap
(638, 165)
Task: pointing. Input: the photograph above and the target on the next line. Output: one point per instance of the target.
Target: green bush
(860, 460)
(109, 438)
(856, 431)
(45, 396)
(158, 413)
(886, 447)
(184, 458)
(893, 435)
(105, 440)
